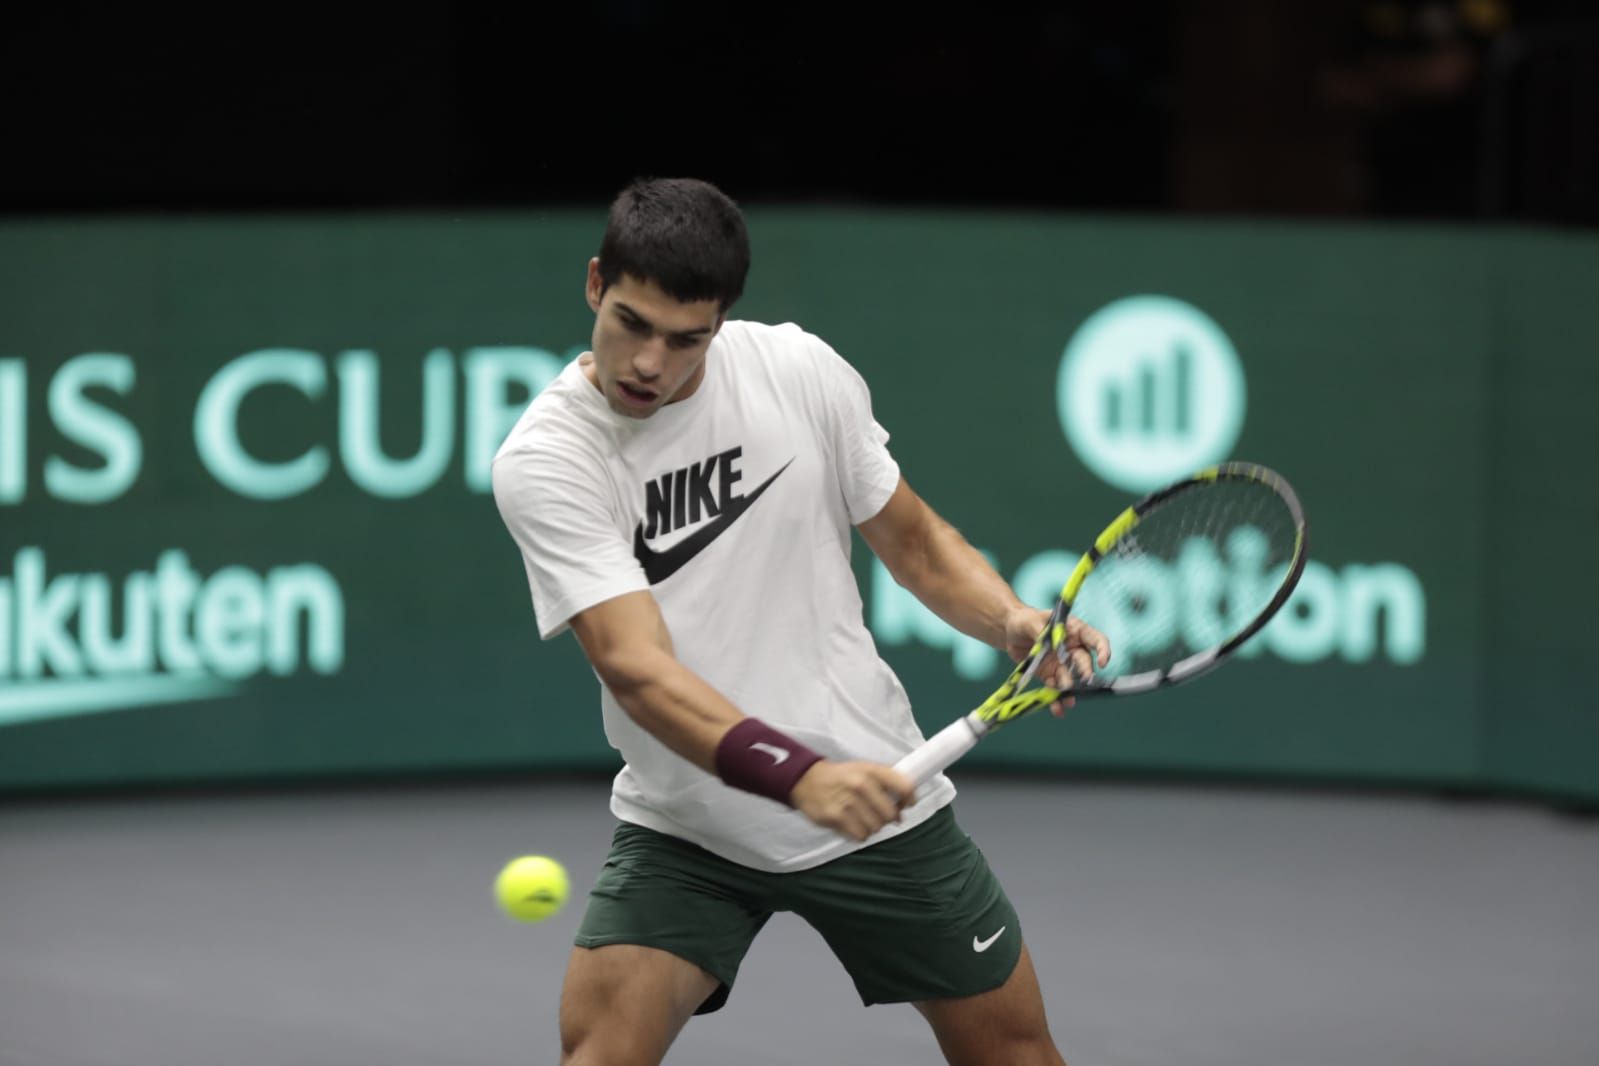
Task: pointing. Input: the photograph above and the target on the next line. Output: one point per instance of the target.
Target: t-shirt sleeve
(867, 472)
(560, 517)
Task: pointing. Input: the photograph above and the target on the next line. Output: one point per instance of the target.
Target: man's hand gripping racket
(1177, 583)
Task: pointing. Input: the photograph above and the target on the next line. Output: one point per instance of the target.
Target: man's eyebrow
(696, 331)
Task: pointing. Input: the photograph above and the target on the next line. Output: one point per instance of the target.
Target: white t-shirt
(733, 507)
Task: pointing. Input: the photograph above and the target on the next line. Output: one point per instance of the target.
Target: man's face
(649, 349)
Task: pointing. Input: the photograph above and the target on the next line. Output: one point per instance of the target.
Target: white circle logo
(1150, 389)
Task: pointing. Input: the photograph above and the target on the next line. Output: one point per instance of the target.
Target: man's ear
(594, 286)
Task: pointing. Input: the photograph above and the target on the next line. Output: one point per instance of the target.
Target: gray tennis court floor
(1235, 927)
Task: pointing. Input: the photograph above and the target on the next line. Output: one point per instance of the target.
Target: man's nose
(649, 358)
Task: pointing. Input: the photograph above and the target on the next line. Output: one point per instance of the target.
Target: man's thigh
(919, 916)
(624, 1004)
(1004, 1026)
(659, 892)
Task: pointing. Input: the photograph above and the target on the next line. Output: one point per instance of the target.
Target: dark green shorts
(919, 916)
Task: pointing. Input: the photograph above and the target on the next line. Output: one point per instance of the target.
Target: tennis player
(682, 496)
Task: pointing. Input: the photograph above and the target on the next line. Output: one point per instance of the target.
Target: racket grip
(940, 751)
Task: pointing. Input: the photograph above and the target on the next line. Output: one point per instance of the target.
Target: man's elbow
(912, 558)
(628, 672)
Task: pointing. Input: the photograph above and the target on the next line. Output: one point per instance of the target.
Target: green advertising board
(246, 529)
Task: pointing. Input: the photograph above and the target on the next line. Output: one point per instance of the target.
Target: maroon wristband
(757, 758)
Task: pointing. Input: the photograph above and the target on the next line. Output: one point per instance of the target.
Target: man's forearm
(680, 709)
(673, 704)
(951, 577)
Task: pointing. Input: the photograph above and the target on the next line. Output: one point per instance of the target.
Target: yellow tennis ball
(531, 888)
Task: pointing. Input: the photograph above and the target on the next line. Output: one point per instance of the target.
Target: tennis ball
(531, 888)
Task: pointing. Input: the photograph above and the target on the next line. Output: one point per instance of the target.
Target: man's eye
(633, 325)
(681, 343)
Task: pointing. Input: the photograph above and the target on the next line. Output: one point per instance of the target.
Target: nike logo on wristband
(779, 755)
(660, 565)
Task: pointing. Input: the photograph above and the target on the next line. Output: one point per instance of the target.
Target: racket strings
(1194, 572)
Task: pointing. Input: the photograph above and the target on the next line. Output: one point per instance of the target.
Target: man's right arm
(628, 645)
(627, 642)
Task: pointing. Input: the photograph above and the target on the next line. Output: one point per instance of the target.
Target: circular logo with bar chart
(1150, 389)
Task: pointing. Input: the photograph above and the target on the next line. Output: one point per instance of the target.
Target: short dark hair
(683, 234)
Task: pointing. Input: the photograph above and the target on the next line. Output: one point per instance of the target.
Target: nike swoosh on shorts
(981, 946)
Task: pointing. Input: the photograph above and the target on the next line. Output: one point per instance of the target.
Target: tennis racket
(1177, 583)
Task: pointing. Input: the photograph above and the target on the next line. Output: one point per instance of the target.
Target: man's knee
(606, 1046)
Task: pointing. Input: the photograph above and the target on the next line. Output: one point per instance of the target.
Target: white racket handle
(942, 749)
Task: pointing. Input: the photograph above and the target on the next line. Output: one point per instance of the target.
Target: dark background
(1437, 109)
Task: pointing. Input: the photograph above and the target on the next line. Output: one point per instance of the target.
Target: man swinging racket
(682, 496)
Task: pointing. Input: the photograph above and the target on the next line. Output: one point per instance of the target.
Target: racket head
(1187, 575)
(1177, 582)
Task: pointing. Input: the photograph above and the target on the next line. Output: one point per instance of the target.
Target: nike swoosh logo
(660, 565)
(779, 755)
(981, 946)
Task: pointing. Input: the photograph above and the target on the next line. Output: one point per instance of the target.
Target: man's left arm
(929, 557)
